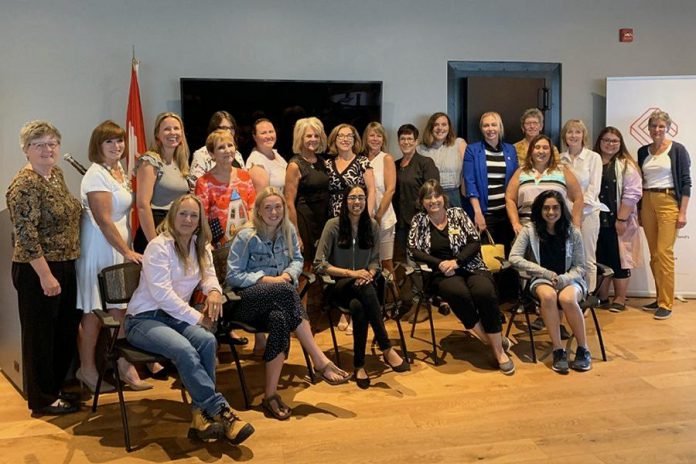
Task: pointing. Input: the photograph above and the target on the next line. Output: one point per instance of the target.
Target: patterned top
(215, 195)
(45, 215)
(353, 174)
(461, 232)
(447, 160)
(495, 164)
(530, 187)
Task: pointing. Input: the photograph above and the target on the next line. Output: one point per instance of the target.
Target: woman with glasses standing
(202, 159)
(348, 167)
(532, 123)
(666, 167)
(46, 238)
(618, 245)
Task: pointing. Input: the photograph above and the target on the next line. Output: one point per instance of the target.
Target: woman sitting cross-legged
(446, 240)
(349, 250)
(159, 318)
(263, 265)
(550, 250)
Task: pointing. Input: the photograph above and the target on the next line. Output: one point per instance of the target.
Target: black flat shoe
(403, 367)
(63, 407)
(362, 383)
(72, 397)
(239, 341)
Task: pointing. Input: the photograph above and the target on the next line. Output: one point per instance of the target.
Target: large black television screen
(281, 101)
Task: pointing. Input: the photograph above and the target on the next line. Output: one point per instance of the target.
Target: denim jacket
(252, 257)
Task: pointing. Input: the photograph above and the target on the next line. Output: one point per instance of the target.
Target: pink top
(215, 195)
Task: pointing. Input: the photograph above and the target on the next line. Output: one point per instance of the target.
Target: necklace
(118, 174)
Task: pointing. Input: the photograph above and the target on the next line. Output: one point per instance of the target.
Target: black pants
(139, 241)
(49, 330)
(608, 252)
(472, 298)
(364, 309)
(507, 281)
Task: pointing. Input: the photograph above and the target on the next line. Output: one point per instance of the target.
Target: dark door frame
(550, 72)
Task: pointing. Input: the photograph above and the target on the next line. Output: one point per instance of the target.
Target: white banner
(630, 101)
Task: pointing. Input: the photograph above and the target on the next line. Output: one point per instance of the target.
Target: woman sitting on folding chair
(349, 251)
(263, 265)
(550, 250)
(446, 240)
(160, 319)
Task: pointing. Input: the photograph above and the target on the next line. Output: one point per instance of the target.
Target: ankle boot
(235, 429)
(203, 427)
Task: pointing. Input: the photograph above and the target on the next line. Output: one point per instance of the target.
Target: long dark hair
(562, 226)
(345, 231)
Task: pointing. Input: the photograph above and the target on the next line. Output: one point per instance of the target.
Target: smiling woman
(265, 165)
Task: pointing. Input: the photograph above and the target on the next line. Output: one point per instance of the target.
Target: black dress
(311, 202)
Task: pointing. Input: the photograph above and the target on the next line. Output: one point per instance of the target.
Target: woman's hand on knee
(213, 305)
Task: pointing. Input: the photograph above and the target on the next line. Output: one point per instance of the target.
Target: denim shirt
(251, 257)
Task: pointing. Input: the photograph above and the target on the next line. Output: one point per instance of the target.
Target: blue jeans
(190, 347)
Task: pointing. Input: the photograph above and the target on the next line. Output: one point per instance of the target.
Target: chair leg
(415, 315)
(599, 334)
(95, 400)
(402, 340)
(531, 335)
(429, 308)
(510, 322)
(240, 373)
(122, 405)
(333, 337)
(310, 369)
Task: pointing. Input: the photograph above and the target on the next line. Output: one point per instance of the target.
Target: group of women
(341, 205)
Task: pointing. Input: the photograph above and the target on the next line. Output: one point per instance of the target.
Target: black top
(409, 180)
(439, 243)
(311, 202)
(552, 252)
(607, 195)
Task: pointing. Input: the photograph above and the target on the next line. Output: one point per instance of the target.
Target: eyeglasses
(356, 197)
(531, 124)
(407, 140)
(345, 137)
(611, 141)
(44, 145)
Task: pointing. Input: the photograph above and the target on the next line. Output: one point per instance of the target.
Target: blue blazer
(475, 173)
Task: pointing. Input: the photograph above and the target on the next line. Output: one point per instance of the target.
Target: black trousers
(49, 330)
(364, 310)
(507, 281)
(472, 298)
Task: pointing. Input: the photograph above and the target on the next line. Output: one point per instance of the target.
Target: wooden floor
(640, 407)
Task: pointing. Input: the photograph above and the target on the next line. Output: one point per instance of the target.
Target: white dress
(377, 163)
(95, 251)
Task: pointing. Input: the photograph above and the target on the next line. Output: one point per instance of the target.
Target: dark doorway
(505, 87)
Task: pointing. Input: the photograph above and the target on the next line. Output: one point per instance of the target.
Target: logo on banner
(639, 127)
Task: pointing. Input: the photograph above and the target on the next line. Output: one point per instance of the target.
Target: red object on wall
(626, 34)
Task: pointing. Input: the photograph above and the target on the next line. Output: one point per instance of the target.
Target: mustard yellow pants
(659, 213)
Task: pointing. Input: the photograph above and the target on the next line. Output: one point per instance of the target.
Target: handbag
(493, 254)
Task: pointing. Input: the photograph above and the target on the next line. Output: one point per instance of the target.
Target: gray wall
(69, 61)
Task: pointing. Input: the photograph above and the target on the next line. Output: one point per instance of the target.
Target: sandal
(329, 368)
(281, 411)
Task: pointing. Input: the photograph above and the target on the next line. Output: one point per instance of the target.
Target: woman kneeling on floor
(550, 250)
(159, 318)
(263, 265)
(349, 251)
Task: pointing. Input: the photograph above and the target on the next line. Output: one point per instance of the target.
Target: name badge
(453, 231)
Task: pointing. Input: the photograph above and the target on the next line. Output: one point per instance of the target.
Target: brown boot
(236, 430)
(203, 427)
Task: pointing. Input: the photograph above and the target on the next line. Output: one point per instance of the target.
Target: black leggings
(472, 298)
(364, 308)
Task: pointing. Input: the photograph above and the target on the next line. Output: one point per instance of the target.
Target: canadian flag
(135, 130)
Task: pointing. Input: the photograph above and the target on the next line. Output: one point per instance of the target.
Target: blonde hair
(215, 137)
(300, 129)
(659, 115)
(379, 128)
(357, 144)
(35, 129)
(181, 153)
(203, 236)
(497, 117)
(257, 223)
(574, 124)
